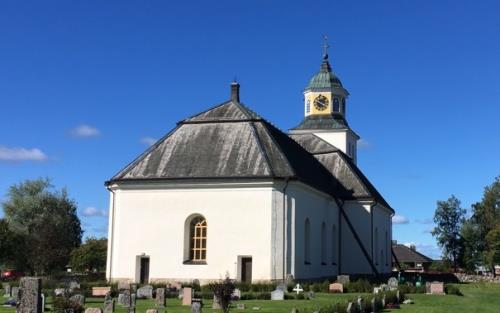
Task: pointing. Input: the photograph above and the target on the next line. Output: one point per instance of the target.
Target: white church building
(227, 193)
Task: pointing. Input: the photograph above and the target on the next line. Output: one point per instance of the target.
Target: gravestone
(311, 295)
(397, 297)
(100, 291)
(133, 298)
(29, 299)
(195, 307)
(295, 310)
(6, 290)
(93, 310)
(216, 303)
(160, 297)
(236, 294)
(124, 298)
(383, 302)
(181, 293)
(14, 292)
(109, 305)
(78, 298)
(278, 295)
(151, 311)
(131, 309)
(336, 288)
(343, 279)
(145, 292)
(360, 304)
(256, 308)
(436, 288)
(73, 285)
(392, 283)
(298, 289)
(240, 306)
(349, 308)
(376, 290)
(133, 288)
(374, 308)
(187, 295)
(123, 285)
(59, 292)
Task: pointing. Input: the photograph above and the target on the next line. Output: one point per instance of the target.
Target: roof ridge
(261, 147)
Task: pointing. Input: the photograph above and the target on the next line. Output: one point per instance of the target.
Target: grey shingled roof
(229, 141)
(323, 121)
(405, 254)
(341, 167)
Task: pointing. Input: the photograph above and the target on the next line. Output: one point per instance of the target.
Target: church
(226, 193)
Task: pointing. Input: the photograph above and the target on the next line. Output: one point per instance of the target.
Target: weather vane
(325, 47)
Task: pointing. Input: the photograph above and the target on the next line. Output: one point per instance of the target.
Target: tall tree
(10, 243)
(492, 253)
(449, 217)
(485, 217)
(47, 220)
(90, 256)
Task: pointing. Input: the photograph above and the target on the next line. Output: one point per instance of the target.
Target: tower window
(336, 105)
(308, 106)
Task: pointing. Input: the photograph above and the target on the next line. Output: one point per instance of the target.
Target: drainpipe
(112, 232)
(285, 238)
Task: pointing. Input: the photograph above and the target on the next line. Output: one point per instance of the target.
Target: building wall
(318, 208)
(382, 247)
(353, 258)
(152, 221)
(343, 139)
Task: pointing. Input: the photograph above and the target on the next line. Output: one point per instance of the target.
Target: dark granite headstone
(278, 295)
(29, 299)
(124, 298)
(161, 297)
(343, 279)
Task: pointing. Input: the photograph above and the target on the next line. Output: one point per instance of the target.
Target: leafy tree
(223, 291)
(485, 217)
(47, 221)
(470, 256)
(492, 254)
(10, 243)
(90, 256)
(449, 217)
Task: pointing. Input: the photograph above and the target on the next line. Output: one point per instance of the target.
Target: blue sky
(84, 85)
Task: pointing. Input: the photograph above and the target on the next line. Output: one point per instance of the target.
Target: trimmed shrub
(63, 305)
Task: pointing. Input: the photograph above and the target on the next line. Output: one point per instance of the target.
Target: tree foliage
(46, 219)
(449, 217)
(90, 256)
(223, 291)
(10, 243)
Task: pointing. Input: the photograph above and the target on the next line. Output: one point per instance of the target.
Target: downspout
(112, 232)
(285, 238)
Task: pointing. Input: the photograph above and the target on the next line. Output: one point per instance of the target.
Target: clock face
(321, 103)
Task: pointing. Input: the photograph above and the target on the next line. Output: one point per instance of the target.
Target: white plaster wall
(152, 222)
(382, 222)
(353, 259)
(341, 139)
(319, 208)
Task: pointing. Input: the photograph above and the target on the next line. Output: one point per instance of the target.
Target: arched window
(334, 244)
(336, 105)
(323, 244)
(307, 242)
(196, 238)
(376, 246)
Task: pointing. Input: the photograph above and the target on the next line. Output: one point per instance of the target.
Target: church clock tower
(325, 110)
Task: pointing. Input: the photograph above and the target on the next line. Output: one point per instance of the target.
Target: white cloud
(400, 219)
(425, 221)
(91, 211)
(85, 131)
(363, 144)
(21, 154)
(148, 141)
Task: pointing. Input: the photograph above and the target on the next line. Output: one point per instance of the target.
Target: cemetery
(29, 295)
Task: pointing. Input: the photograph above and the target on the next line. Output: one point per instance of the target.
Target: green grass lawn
(477, 298)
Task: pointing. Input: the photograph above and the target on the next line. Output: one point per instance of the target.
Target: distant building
(408, 258)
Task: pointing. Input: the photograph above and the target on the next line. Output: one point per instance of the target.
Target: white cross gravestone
(298, 289)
